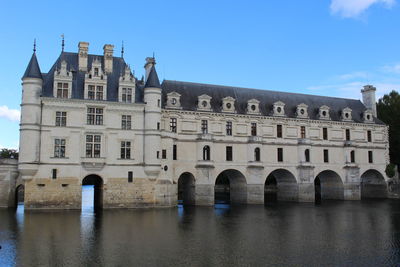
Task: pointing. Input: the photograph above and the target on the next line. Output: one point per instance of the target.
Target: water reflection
(363, 233)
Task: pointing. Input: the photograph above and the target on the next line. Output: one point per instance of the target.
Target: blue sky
(325, 47)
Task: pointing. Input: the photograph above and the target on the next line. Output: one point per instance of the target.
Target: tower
(152, 119)
(368, 95)
(29, 143)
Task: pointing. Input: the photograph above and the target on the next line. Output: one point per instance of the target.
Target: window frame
(94, 116)
(253, 127)
(229, 153)
(125, 151)
(59, 147)
(93, 146)
(204, 126)
(279, 131)
(229, 126)
(326, 156)
(61, 119)
(126, 122)
(173, 125)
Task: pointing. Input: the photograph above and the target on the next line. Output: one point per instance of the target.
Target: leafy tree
(6, 153)
(390, 170)
(388, 109)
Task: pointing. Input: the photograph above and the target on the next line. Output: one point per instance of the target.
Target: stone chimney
(108, 58)
(83, 55)
(368, 95)
(150, 62)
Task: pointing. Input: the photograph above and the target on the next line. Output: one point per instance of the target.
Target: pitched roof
(33, 69)
(190, 92)
(152, 80)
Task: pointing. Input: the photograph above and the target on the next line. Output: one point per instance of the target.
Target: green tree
(388, 109)
(6, 153)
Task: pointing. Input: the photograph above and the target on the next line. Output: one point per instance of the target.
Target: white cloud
(353, 75)
(392, 68)
(354, 8)
(9, 114)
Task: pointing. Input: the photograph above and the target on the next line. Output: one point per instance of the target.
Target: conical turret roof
(152, 80)
(33, 69)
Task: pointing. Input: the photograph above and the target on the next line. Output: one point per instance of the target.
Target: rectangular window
(127, 95)
(347, 134)
(370, 157)
(172, 125)
(59, 148)
(61, 118)
(279, 131)
(158, 126)
(125, 149)
(91, 92)
(174, 152)
(280, 154)
(229, 153)
(126, 122)
(164, 153)
(303, 132)
(130, 177)
(158, 102)
(326, 155)
(93, 146)
(228, 128)
(95, 116)
(253, 129)
(54, 173)
(99, 92)
(204, 126)
(352, 156)
(62, 90)
(369, 136)
(96, 71)
(95, 92)
(158, 154)
(325, 133)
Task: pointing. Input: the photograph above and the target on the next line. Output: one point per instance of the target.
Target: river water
(342, 233)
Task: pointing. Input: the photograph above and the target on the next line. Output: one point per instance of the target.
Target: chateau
(143, 143)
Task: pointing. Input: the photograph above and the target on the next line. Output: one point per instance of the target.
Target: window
(95, 92)
(125, 150)
(62, 90)
(228, 153)
(61, 118)
(326, 155)
(126, 122)
(93, 146)
(204, 126)
(280, 154)
(99, 93)
(347, 134)
(206, 153)
(91, 91)
(370, 157)
(228, 128)
(325, 133)
(303, 132)
(369, 136)
(54, 173)
(158, 102)
(257, 154)
(158, 154)
(96, 71)
(172, 125)
(59, 148)
(127, 95)
(95, 116)
(253, 129)
(352, 156)
(158, 126)
(164, 153)
(307, 155)
(279, 131)
(130, 177)
(174, 152)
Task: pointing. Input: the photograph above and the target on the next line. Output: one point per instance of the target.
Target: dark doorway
(186, 189)
(19, 195)
(92, 192)
(373, 185)
(230, 188)
(270, 190)
(317, 189)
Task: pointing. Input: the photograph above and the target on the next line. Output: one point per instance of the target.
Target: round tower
(29, 138)
(152, 120)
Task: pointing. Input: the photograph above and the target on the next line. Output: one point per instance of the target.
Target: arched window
(257, 154)
(352, 156)
(206, 153)
(307, 155)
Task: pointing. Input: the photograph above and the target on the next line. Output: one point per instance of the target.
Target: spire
(33, 70)
(34, 45)
(152, 80)
(122, 50)
(62, 43)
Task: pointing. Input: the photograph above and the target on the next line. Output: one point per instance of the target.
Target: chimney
(150, 62)
(108, 57)
(83, 55)
(368, 95)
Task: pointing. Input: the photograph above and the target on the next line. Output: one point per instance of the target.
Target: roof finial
(122, 49)
(62, 43)
(34, 45)
(153, 55)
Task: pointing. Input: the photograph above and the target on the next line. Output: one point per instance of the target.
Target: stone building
(89, 120)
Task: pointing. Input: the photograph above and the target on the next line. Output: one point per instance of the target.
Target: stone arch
(328, 185)
(373, 185)
(230, 187)
(19, 194)
(186, 189)
(98, 184)
(280, 185)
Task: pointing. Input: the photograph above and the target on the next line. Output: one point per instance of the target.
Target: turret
(368, 95)
(29, 143)
(152, 139)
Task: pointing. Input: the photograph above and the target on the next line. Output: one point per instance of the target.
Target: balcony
(93, 164)
(304, 141)
(255, 139)
(350, 165)
(205, 164)
(348, 143)
(305, 164)
(205, 137)
(255, 164)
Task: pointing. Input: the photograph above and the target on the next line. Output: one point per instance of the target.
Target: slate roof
(190, 91)
(33, 69)
(152, 80)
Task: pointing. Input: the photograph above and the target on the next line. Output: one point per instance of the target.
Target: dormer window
(95, 82)
(228, 104)
(62, 82)
(302, 111)
(253, 106)
(95, 92)
(126, 89)
(62, 90)
(279, 109)
(127, 95)
(96, 71)
(368, 116)
(174, 100)
(346, 114)
(324, 113)
(204, 103)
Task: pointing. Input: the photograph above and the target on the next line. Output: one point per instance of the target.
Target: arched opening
(19, 195)
(280, 185)
(206, 153)
(307, 155)
(257, 154)
(373, 185)
(186, 189)
(230, 188)
(328, 185)
(92, 192)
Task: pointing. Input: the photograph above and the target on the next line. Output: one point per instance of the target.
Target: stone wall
(8, 182)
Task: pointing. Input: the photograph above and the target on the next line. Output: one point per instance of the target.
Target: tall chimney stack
(83, 55)
(368, 95)
(150, 62)
(108, 57)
